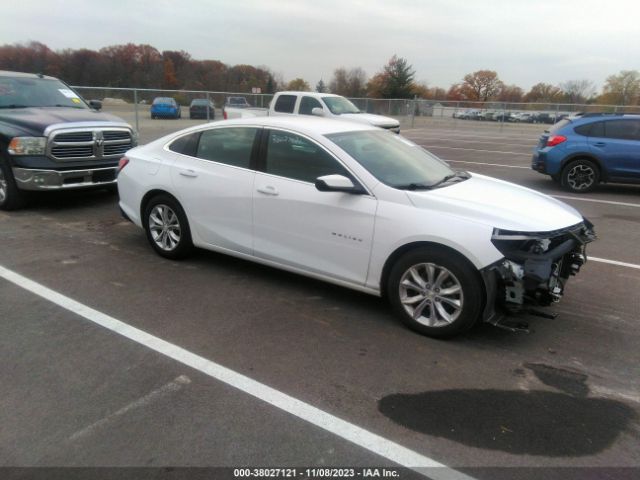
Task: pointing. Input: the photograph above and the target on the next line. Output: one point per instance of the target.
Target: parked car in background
(501, 116)
(580, 152)
(198, 109)
(317, 104)
(360, 207)
(237, 102)
(51, 139)
(522, 117)
(165, 107)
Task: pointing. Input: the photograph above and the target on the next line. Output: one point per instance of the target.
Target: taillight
(124, 161)
(554, 140)
(224, 114)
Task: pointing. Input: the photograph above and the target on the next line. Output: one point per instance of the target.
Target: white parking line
(564, 197)
(528, 146)
(478, 150)
(490, 164)
(615, 262)
(440, 133)
(610, 202)
(346, 430)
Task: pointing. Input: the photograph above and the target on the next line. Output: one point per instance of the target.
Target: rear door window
(623, 129)
(285, 103)
(231, 146)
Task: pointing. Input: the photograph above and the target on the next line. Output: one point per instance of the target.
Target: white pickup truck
(313, 103)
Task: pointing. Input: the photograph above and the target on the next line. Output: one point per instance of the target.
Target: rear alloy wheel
(167, 228)
(580, 176)
(11, 198)
(435, 292)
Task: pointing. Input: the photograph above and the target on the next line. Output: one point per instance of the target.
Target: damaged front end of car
(534, 271)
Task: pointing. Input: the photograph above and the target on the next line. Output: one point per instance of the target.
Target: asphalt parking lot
(491, 404)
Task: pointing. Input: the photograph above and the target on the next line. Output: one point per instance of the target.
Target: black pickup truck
(51, 139)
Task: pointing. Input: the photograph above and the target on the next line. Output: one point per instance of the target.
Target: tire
(11, 197)
(167, 227)
(580, 176)
(415, 286)
(153, 117)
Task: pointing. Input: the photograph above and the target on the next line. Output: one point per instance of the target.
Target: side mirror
(95, 104)
(317, 111)
(338, 183)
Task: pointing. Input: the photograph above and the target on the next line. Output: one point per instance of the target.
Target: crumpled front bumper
(39, 179)
(535, 268)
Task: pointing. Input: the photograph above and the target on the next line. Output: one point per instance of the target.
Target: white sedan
(360, 207)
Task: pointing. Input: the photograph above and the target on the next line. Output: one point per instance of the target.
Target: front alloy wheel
(435, 291)
(3, 188)
(431, 295)
(11, 197)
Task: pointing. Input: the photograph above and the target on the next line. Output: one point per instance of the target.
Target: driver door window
(295, 157)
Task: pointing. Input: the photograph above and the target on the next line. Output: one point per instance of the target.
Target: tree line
(143, 66)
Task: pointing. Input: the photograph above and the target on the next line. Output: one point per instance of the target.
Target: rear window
(285, 103)
(561, 124)
(186, 145)
(158, 100)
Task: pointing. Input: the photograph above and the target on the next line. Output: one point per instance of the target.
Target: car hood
(498, 204)
(35, 120)
(375, 120)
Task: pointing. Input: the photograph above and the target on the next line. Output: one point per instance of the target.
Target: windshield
(340, 105)
(393, 159)
(18, 92)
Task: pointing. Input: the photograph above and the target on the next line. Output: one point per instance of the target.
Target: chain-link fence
(133, 106)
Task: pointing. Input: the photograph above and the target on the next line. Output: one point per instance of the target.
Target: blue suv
(580, 152)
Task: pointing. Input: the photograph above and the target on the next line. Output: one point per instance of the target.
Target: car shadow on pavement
(536, 422)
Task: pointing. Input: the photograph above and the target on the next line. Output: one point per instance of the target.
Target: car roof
(305, 124)
(599, 117)
(7, 73)
(309, 94)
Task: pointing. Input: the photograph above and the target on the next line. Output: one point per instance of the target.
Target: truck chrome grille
(89, 144)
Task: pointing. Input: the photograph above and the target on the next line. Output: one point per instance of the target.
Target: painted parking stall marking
(342, 428)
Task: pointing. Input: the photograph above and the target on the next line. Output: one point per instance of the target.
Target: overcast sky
(525, 41)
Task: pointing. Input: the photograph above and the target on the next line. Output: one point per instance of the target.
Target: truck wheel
(435, 292)
(11, 197)
(167, 227)
(580, 176)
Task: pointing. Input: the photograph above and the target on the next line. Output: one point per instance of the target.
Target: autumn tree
(456, 93)
(482, 85)
(298, 85)
(544, 93)
(349, 83)
(622, 89)
(321, 87)
(169, 80)
(32, 57)
(578, 91)
(394, 81)
(510, 94)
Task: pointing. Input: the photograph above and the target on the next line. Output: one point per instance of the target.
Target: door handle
(268, 190)
(188, 173)
(599, 144)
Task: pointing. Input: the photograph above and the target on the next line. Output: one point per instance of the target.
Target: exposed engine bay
(534, 270)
